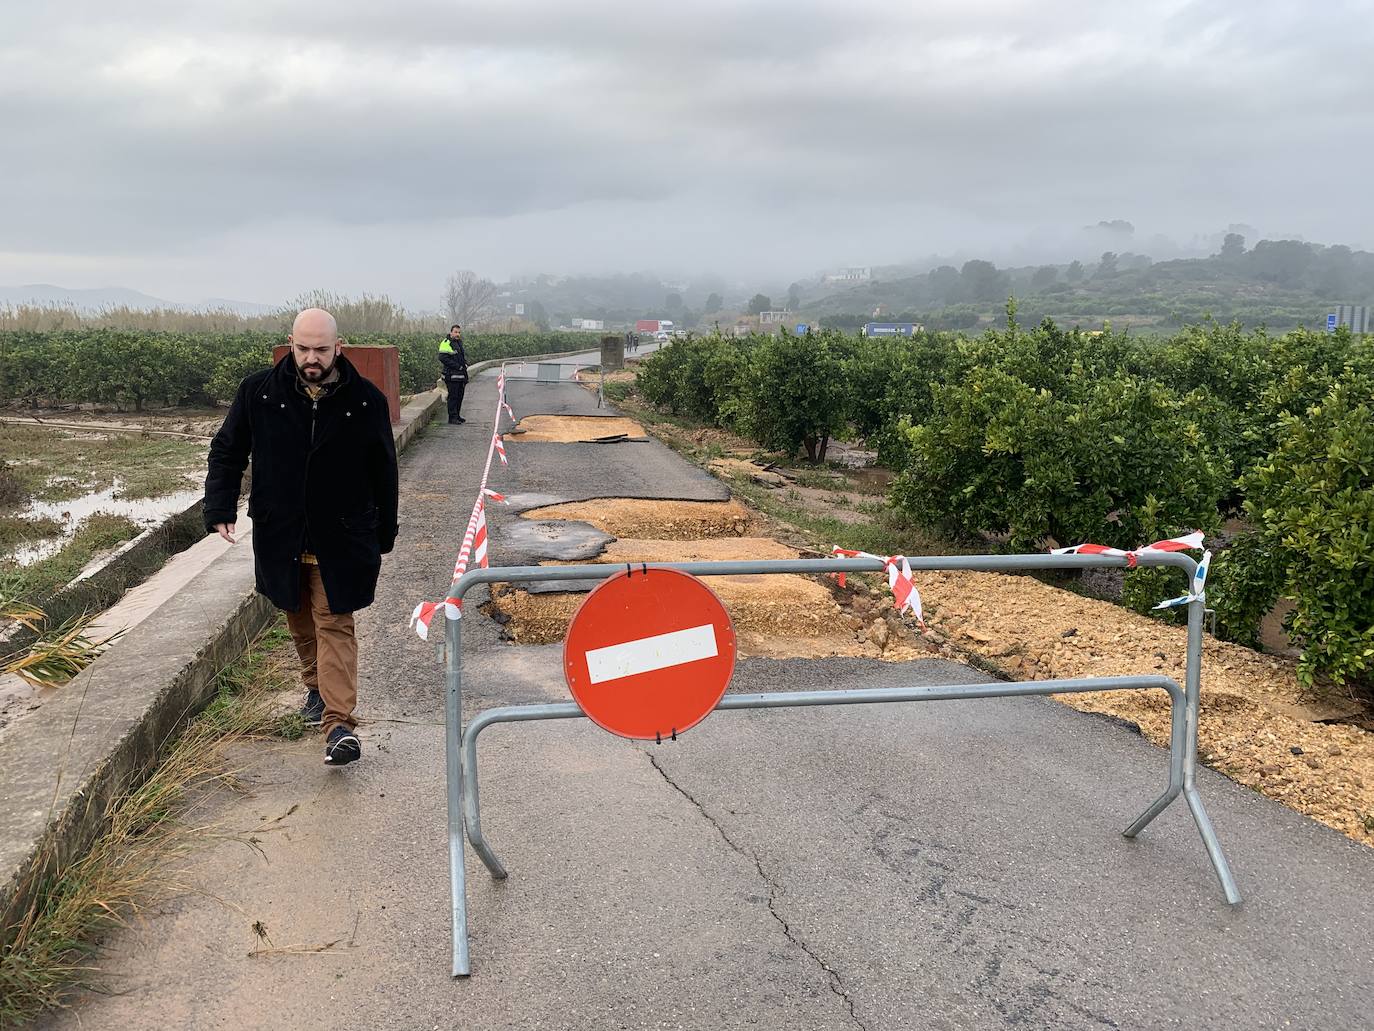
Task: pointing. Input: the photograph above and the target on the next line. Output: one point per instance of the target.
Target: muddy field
(83, 474)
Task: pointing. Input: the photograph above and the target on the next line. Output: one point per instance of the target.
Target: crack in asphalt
(836, 984)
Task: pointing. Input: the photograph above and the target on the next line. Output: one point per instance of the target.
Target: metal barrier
(461, 743)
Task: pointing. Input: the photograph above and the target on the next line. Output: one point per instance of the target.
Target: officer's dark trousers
(455, 398)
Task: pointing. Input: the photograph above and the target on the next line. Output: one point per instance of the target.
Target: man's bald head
(315, 320)
(315, 343)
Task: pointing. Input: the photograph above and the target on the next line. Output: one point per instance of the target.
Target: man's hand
(226, 530)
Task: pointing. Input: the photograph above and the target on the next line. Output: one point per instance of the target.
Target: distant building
(588, 323)
(855, 274)
(744, 325)
(1356, 317)
(771, 318)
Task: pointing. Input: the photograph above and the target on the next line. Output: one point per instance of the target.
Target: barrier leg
(472, 806)
(1214, 850)
(1193, 687)
(472, 803)
(1157, 807)
(1178, 742)
(453, 736)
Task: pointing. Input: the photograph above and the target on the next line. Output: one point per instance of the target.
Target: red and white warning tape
(905, 596)
(475, 536)
(1188, 542)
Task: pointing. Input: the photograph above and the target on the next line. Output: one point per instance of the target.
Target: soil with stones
(777, 616)
(1257, 724)
(572, 429)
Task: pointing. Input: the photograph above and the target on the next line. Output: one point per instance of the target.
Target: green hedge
(1019, 436)
(137, 369)
(1312, 502)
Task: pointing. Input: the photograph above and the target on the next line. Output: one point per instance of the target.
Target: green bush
(795, 393)
(233, 368)
(891, 378)
(1241, 385)
(1143, 588)
(1313, 502)
(1001, 458)
(136, 369)
(703, 378)
(1020, 436)
(1243, 584)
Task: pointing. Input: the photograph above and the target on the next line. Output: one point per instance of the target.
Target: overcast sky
(254, 149)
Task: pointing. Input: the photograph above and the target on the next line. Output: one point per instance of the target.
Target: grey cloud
(180, 125)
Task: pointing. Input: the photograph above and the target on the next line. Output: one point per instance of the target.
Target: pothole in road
(574, 429)
(775, 615)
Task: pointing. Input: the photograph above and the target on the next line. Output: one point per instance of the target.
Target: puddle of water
(28, 554)
(145, 512)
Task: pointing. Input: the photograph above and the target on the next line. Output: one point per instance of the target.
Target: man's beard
(314, 372)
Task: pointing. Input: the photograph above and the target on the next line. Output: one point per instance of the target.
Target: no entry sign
(649, 653)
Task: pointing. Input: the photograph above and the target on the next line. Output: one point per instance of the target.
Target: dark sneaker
(342, 748)
(313, 709)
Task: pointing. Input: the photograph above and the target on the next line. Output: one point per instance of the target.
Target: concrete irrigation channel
(948, 865)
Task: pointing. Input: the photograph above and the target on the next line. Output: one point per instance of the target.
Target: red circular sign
(649, 653)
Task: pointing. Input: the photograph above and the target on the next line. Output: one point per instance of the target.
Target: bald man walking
(323, 504)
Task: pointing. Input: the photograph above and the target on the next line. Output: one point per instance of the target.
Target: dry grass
(57, 655)
(369, 313)
(55, 947)
(12, 492)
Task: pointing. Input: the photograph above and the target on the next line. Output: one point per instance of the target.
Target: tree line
(138, 369)
(1022, 438)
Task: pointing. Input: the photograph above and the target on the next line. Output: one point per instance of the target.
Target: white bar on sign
(651, 653)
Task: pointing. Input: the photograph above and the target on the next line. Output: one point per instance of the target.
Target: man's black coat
(323, 472)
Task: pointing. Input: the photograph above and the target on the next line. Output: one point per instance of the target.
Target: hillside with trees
(1282, 284)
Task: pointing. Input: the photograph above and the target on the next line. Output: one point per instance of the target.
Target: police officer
(455, 365)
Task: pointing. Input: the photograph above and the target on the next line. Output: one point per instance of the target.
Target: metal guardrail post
(1190, 792)
(464, 809)
(453, 733)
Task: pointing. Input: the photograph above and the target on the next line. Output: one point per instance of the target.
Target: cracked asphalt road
(952, 865)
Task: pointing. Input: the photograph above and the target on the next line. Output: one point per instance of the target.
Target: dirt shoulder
(1257, 724)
